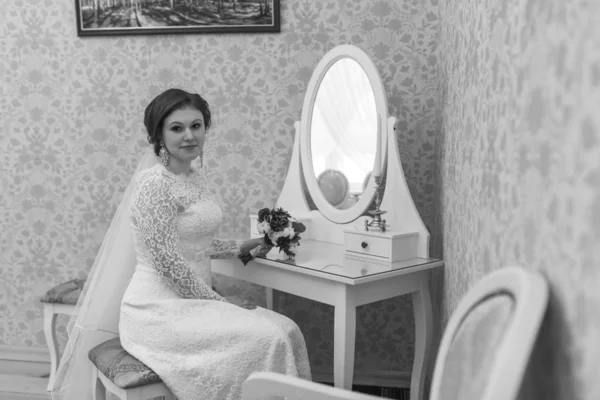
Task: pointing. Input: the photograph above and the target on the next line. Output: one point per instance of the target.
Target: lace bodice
(174, 218)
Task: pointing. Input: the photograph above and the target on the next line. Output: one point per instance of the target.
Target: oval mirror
(341, 136)
(343, 130)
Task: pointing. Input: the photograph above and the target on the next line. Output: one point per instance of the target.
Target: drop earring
(164, 154)
(202, 151)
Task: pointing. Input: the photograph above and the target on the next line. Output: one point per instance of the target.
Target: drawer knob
(364, 245)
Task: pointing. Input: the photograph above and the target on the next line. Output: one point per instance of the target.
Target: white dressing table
(322, 273)
(345, 132)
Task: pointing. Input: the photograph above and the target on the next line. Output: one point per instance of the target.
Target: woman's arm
(231, 248)
(154, 212)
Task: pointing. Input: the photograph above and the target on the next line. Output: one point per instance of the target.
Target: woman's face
(184, 134)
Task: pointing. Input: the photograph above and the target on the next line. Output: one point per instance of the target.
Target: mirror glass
(343, 133)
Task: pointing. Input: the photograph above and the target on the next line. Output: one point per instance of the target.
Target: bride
(151, 282)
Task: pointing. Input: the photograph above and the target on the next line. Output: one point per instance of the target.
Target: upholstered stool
(119, 373)
(61, 299)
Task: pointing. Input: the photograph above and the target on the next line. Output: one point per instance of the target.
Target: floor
(21, 387)
(385, 393)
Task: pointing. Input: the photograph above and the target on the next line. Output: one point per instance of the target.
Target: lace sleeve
(154, 211)
(221, 248)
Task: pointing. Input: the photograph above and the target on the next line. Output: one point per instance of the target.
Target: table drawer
(368, 245)
(388, 246)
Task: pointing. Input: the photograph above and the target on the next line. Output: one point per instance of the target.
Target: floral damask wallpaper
(498, 129)
(71, 132)
(519, 168)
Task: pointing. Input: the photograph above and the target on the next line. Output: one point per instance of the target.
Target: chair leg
(50, 335)
(98, 389)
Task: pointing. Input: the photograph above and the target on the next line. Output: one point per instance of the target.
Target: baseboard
(23, 387)
(30, 361)
(389, 379)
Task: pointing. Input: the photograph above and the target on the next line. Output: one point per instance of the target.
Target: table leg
(423, 338)
(269, 295)
(50, 335)
(344, 335)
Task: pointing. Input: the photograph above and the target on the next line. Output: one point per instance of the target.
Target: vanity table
(322, 273)
(356, 252)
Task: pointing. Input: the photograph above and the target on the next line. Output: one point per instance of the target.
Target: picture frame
(154, 17)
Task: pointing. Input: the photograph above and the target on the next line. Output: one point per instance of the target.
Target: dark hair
(163, 105)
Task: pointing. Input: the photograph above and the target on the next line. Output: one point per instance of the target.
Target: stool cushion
(65, 293)
(124, 370)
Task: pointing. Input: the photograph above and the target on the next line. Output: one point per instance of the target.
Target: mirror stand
(402, 217)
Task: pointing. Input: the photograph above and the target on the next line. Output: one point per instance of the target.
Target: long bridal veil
(97, 312)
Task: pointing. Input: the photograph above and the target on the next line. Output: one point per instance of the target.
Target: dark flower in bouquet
(280, 230)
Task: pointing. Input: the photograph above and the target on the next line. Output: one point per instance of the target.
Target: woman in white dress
(202, 345)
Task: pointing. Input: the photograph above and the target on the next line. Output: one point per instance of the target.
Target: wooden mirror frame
(340, 52)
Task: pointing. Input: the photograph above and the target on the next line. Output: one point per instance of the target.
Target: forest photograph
(118, 17)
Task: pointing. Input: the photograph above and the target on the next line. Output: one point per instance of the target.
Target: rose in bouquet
(280, 229)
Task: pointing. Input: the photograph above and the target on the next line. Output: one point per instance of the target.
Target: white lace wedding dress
(202, 347)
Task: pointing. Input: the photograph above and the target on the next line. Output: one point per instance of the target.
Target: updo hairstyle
(163, 105)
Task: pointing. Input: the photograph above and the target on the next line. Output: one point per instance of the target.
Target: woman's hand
(240, 302)
(252, 248)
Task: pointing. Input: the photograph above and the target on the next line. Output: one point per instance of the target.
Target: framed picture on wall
(151, 17)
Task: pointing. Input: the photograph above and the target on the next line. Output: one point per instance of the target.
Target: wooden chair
(483, 354)
(122, 375)
(61, 299)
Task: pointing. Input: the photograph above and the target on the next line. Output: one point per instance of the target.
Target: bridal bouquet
(280, 229)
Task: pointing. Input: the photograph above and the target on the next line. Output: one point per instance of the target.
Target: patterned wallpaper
(71, 131)
(519, 168)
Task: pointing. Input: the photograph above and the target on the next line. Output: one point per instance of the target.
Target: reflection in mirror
(343, 133)
(334, 186)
